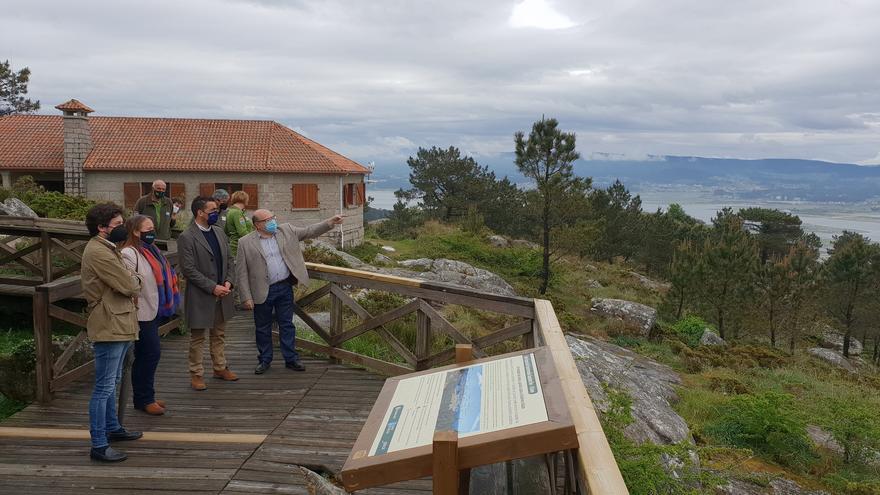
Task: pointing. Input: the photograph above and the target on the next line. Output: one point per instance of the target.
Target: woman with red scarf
(157, 301)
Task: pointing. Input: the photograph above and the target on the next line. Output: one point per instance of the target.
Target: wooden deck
(236, 437)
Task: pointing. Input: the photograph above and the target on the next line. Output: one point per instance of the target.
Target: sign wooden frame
(362, 471)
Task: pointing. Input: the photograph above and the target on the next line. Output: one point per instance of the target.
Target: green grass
(11, 337)
(8, 406)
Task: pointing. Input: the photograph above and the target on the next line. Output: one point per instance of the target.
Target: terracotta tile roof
(35, 142)
(74, 105)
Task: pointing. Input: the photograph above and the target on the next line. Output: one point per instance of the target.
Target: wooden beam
(464, 353)
(43, 345)
(71, 376)
(67, 250)
(444, 475)
(363, 314)
(47, 256)
(68, 316)
(16, 255)
(595, 459)
(443, 324)
(314, 325)
(375, 322)
(163, 436)
(313, 296)
(423, 335)
(384, 367)
(506, 333)
(65, 356)
(170, 325)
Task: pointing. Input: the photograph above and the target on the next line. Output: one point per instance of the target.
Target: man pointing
(269, 263)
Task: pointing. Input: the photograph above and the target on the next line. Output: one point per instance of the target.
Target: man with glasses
(205, 263)
(269, 263)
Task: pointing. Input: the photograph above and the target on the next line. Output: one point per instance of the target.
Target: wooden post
(529, 339)
(336, 322)
(43, 344)
(423, 338)
(444, 475)
(46, 244)
(464, 353)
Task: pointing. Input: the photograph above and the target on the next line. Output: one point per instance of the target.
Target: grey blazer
(198, 267)
(250, 263)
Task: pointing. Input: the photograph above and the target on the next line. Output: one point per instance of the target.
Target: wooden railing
(40, 239)
(50, 373)
(597, 471)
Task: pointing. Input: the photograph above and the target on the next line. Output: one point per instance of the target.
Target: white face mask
(176, 209)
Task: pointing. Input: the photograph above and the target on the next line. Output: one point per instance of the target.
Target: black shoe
(107, 454)
(261, 368)
(295, 366)
(124, 435)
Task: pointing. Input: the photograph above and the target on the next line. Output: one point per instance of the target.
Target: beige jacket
(250, 263)
(148, 299)
(108, 286)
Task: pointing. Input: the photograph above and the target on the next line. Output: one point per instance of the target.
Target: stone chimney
(77, 145)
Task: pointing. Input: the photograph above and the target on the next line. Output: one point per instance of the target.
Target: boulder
(832, 339)
(455, 273)
(498, 241)
(630, 312)
(650, 385)
(522, 243)
(381, 258)
(15, 207)
(593, 284)
(319, 485)
(352, 261)
(823, 439)
(322, 318)
(832, 357)
(388, 249)
(711, 338)
(648, 283)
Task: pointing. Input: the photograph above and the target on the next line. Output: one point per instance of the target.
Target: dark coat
(145, 206)
(198, 267)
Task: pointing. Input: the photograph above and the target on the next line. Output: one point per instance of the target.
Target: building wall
(274, 193)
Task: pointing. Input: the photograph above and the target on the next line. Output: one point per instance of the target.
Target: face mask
(148, 237)
(159, 194)
(175, 209)
(213, 217)
(118, 234)
(271, 226)
(223, 206)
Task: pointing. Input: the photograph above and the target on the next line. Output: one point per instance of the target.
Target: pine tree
(685, 276)
(801, 266)
(848, 275)
(12, 86)
(546, 157)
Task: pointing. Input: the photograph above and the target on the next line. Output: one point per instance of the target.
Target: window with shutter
(131, 192)
(362, 193)
(206, 189)
(304, 196)
(253, 192)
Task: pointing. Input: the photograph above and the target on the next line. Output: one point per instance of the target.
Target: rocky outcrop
(823, 439)
(15, 207)
(650, 385)
(352, 261)
(832, 357)
(388, 249)
(322, 318)
(593, 284)
(381, 258)
(319, 485)
(498, 241)
(832, 339)
(630, 312)
(778, 486)
(649, 283)
(711, 338)
(456, 273)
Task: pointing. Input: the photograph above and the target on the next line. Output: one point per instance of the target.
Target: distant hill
(770, 178)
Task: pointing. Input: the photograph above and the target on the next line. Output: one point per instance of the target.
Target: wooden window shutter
(304, 196)
(206, 189)
(131, 192)
(253, 196)
(177, 190)
(362, 193)
(346, 195)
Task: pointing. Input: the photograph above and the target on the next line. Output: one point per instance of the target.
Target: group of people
(131, 288)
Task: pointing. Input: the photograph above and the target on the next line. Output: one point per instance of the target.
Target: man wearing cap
(222, 197)
(268, 264)
(158, 206)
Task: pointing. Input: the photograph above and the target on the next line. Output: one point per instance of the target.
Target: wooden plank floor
(310, 419)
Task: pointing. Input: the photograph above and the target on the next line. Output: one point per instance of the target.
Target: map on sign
(481, 398)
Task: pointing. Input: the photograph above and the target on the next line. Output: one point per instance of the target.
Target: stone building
(117, 158)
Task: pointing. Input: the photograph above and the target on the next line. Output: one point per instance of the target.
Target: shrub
(365, 251)
(855, 426)
(50, 204)
(768, 424)
(690, 329)
(315, 254)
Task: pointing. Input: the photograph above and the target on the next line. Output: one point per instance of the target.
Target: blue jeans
(280, 302)
(146, 358)
(109, 357)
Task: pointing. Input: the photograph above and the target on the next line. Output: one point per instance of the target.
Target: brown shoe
(155, 409)
(161, 403)
(198, 383)
(226, 375)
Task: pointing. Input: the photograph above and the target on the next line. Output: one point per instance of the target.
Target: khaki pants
(217, 345)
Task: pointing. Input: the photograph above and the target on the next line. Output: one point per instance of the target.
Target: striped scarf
(166, 280)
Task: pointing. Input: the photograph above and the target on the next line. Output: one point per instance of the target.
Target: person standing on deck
(268, 265)
(158, 206)
(110, 289)
(157, 301)
(205, 263)
(222, 198)
(238, 224)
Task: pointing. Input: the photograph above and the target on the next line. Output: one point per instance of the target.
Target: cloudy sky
(377, 79)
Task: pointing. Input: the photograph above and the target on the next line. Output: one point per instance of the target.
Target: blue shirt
(278, 271)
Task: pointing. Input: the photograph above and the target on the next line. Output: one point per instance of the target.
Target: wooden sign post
(445, 421)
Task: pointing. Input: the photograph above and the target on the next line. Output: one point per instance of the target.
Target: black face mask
(118, 234)
(159, 194)
(223, 206)
(148, 237)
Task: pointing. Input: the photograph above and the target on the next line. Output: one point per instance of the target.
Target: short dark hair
(198, 204)
(100, 216)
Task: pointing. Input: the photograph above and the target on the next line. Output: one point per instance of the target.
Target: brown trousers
(217, 345)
